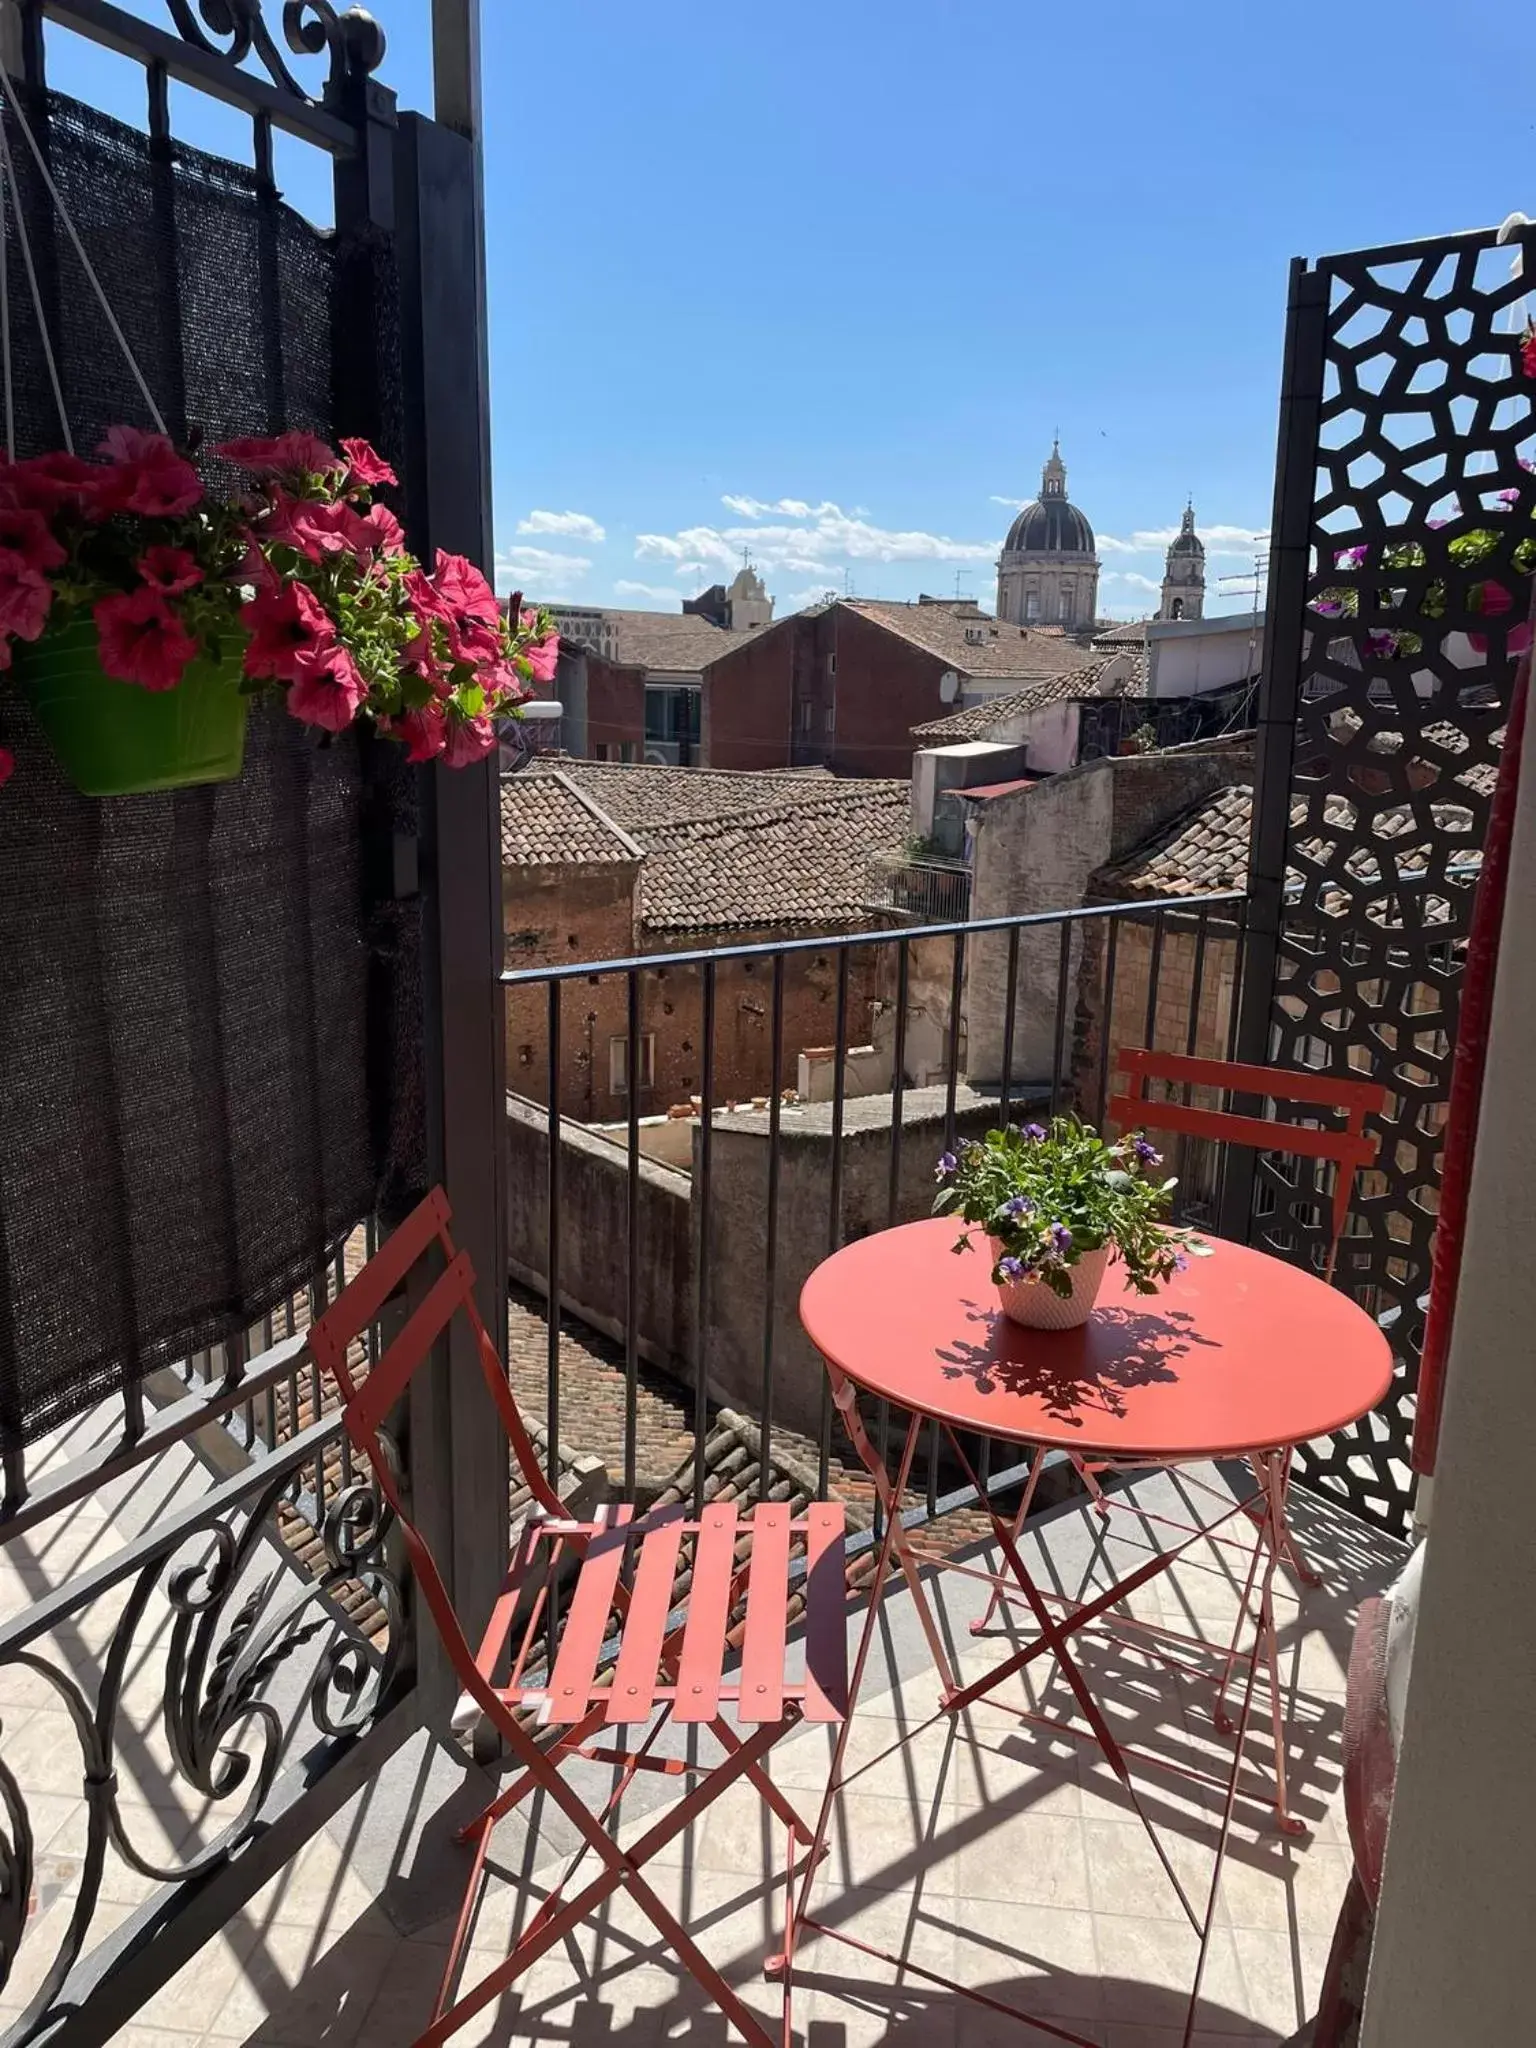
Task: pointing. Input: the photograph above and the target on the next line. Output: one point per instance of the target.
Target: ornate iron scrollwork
(234, 1627)
(310, 27)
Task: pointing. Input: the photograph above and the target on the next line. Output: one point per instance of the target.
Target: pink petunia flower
(365, 465)
(49, 483)
(141, 640)
(291, 632)
(374, 532)
(425, 732)
(291, 454)
(147, 476)
(469, 740)
(310, 529)
(7, 766)
(329, 693)
(169, 570)
(25, 596)
(468, 607)
(543, 657)
(26, 534)
(1528, 353)
(419, 654)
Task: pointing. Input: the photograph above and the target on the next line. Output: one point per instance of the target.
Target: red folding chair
(1350, 1148)
(626, 1572)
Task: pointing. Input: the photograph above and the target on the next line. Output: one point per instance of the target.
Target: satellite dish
(949, 686)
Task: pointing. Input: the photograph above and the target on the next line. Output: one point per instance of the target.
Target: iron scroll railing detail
(310, 28)
(1399, 579)
(240, 1616)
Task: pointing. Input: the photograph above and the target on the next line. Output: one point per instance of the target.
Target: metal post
(438, 199)
(1290, 566)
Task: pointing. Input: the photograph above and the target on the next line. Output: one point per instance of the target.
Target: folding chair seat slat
(762, 1650)
(826, 1613)
(709, 1608)
(570, 1684)
(636, 1674)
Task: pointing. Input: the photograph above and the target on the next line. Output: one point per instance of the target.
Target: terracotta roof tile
(674, 643)
(1001, 650)
(639, 795)
(978, 721)
(546, 819)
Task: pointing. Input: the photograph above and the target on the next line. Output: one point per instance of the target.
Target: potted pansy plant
(1056, 1204)
(141, 610)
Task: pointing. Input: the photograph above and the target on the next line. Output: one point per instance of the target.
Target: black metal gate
(263, 1612)
(1401, 554)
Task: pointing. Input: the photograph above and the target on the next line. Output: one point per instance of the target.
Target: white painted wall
(1187, 656)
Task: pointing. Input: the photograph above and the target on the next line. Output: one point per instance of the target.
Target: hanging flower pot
(138, 611)
(120, 739)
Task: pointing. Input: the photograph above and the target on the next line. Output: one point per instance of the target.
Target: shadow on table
(1064, 1369)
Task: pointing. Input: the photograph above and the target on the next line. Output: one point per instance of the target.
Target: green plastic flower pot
(118, 739)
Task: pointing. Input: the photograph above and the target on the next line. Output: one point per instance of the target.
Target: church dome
(1051, 525)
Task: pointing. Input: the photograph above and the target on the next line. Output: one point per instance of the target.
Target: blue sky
(821, 280)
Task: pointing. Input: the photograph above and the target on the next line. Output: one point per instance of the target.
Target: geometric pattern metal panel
(1420, 529)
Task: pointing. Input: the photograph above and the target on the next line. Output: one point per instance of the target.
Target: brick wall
(615, 709)
(553, 916)
(827, 688)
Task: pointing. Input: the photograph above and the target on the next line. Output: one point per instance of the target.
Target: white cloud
(544, 573)
(823, 537)
(1219, 540)
(663, 591)
(1018, 504)
(1130, 577)
(569, 525)
(814, 593)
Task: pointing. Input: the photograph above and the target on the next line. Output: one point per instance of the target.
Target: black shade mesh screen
(209, 1016)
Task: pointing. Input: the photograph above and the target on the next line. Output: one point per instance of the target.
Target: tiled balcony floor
(984, 1849)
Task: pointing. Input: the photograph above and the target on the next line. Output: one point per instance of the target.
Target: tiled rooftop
(546, 819)
(1001, 649)
(674, 643)
(979, 721)
(721, 850)
(1202, 850)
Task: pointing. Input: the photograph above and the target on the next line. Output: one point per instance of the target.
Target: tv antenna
(1253, 589)
(961, 576)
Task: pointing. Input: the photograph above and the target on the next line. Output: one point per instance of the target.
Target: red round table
(1240, 1356)
(1239, 1353)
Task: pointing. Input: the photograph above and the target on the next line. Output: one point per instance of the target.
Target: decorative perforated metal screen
(1399, 589)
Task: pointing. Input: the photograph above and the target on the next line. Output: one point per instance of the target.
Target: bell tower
(1184, 574)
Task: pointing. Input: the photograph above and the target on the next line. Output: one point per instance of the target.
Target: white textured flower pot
(1038, 1307)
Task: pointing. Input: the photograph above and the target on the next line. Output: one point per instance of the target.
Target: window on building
(618, 1063)
(831, 664)
(831, 718)
(1032, 605)
(805, 714)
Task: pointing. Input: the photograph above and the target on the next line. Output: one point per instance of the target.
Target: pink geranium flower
(469, 740)
(171, 571)
(424, 732)
(26, 534)
(141, 640)
(1528, 353)
(365, 465)
(147, 477)
(329, 693)
(291, 454)
(25, 595)
(291, 632)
